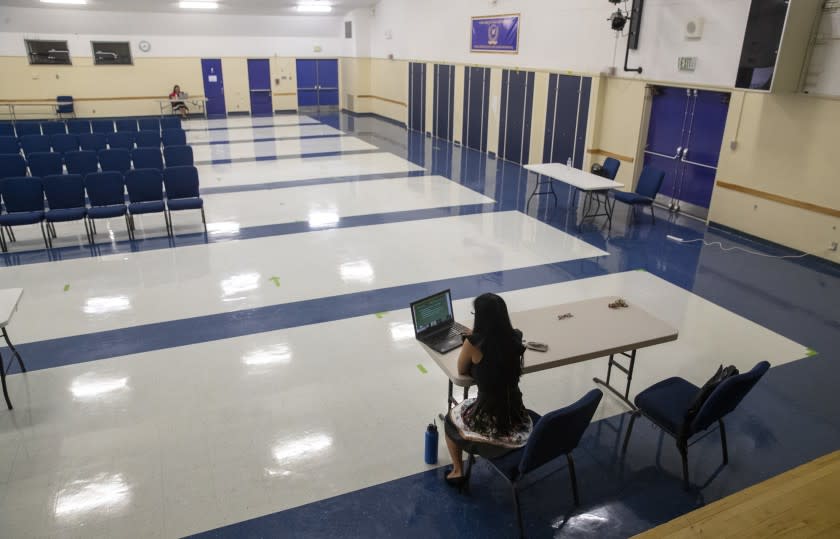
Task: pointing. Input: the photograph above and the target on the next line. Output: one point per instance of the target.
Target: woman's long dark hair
(173, 89)
(494, 329)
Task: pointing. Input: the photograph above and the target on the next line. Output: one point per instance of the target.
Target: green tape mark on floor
(275, 280)
(66, 287)
(810, 352)
(421, 368)
(641, 269)
(380, 315)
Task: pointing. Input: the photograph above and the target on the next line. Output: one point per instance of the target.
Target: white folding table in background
(9, 300)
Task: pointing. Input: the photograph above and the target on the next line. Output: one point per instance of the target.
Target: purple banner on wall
(495, 34)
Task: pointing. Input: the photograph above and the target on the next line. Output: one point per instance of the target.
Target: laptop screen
(431, 312)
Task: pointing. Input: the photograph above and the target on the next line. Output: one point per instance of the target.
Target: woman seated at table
(496, 421)
(178, 106)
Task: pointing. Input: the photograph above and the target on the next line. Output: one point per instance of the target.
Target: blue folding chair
(145, 195)
(646, 190)
(170, 122)
(9, 145)
(106, 194)
(66, 200)
(102, 126)
(24, 198)
(147, 158)
(35, 143)
(147, 139)
(127, 125)
(45, 164)
(149, 124)
(53, 128)
(23, 129)
(93, 141)
(11, 165)
(7, 129)
(121, 140)
(63, 143)
(66, 105)
(182, 191)
(118, 160)
(554, 435)
(667, 404)
(78, 126)
(178, 156)
(174, 137)
(83, 162)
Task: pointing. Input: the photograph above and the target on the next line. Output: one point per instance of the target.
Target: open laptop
(434, 324)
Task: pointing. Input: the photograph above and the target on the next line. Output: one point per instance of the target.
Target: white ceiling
(226, 7)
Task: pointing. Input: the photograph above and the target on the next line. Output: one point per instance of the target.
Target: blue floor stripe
(310, 182)
(281, 157)
(162, 335)
(269, 139)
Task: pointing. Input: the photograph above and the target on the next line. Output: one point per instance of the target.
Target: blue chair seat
(21, 218)
(65, 214)
(146, 207)
(508, 464)
(631, 198)
(185, 204)
(104, 212)
(667, 402)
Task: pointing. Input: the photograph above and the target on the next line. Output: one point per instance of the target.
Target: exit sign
(687, 63)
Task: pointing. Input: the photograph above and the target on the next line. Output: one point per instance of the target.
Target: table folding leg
(537, 192)
(626, 370)
(16, 355)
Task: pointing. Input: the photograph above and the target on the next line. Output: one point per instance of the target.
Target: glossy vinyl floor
(262, 379)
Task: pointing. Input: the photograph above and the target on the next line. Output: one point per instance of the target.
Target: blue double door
(214, 87)
(317, 83)
(259, 87)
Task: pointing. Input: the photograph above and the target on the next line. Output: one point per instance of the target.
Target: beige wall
(237, 91)
(389, 89)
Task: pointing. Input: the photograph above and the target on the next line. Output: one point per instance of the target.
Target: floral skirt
(463, 419)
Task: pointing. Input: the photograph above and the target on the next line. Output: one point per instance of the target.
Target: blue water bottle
(431, 444)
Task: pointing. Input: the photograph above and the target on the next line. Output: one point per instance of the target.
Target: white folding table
(9, 300)
(592, 184)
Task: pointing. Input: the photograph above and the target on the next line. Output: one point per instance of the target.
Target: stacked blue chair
(147, 139)
(66, 199)
(145, 194)
(7, 129)
(66, 106)
(35, 143)
(127, 125)
(84, 162)
(93, 141)
(182, 191)
(64, 143)
(170, 122)
(9, 145)
(11, 165)
(121, 140)
(44, 164)
(174, 137)
(150, 124)
(23, 129)
(53, 128)
(106, 194)
(78, 126)
(147, 158)
(24, 198)
(178, 156)
(610, 167)
(117, 160)
(102, 126)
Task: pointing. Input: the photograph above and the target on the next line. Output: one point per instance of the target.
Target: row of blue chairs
(92, 141)
(79, 126)
(86, 162)
(101, 195)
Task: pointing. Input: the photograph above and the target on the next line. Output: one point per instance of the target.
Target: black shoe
(459, 482)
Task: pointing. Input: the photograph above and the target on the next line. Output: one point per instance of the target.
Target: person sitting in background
(178, 107)
(496, 421)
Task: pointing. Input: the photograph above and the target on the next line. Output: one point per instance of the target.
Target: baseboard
(491, 155)
(286, 111)
(239, 113)
(373, 115)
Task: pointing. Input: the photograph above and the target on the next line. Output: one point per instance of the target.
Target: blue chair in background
(170, 122)
(66, 199)
(646, 190)
(610, 167)
(78, 126)
(147, 158)
(63, 143)
(145, 195)
(83, 162)
(127, 125)
(106, 194)
(24, 198)
(118, 160)
(102, 126)
(149, 124)
(554, 435)
(93, 141)
(174, 137)
(45, 164)
(121, 140)
(178, 156)
(23, 129)
(11, 165)
(182, 191)
(65, 106)
(53, 128)
(147, 139)
(7, 129)
(35, 143)
(9, 145)
(667, 403)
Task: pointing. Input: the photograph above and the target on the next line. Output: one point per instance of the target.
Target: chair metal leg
(633, 417)
(168, 218)
(3, 243)
(723, 442)
(203, 219)
(518, 511)
(11, 233)
(47, 243)
(51, 228)
(682, 446)
(93, 226)
(573, 476)
(128, 228)
(87, 231)
(652, 214)
(3, 380)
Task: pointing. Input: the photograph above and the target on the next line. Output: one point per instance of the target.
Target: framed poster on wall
(495, 33)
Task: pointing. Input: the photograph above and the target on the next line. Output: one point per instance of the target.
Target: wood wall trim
(394, 101)
(86, 99)
(605, 153)
(283, 94)
(780, 199)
